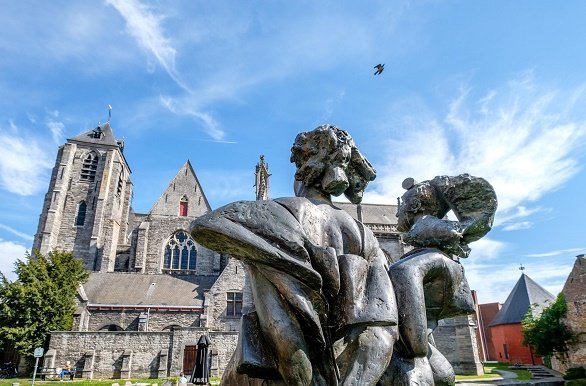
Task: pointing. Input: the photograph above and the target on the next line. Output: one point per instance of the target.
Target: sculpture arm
(258, 232)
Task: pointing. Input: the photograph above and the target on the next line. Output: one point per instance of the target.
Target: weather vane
(521, 268)
(109, 112)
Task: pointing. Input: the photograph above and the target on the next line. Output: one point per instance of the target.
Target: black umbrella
(201, 371)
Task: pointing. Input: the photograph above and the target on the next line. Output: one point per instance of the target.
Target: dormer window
(97, 133)
(89, 167)
(183, 207)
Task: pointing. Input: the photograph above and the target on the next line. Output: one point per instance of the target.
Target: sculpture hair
(327, 146)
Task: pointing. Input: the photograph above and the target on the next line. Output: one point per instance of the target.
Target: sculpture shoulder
(297, 206)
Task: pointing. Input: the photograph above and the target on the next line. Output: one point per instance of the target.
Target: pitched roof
(130, 289)
(106, 137)
(184, 184)
(378, 217)
(525, 293)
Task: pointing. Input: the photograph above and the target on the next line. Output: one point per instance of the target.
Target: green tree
(40, 300)
(546, 333)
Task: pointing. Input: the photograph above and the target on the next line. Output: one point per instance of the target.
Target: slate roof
(107, 137)
(371, 213)
(525, 293)
(131, 289)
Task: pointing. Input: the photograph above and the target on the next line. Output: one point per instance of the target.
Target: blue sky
(493, 88)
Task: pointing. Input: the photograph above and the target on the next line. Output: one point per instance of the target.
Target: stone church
(153, 291)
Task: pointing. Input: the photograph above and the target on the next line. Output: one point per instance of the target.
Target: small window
(89, 167)
(183, 207)
(233, 303)
(119, 187)
(80, 218)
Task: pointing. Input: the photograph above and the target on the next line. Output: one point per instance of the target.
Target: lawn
(490, 371)
(92, 382)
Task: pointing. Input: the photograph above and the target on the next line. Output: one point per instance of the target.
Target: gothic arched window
(180, 253)
(81, 209)
(89, 167)
(183, 204)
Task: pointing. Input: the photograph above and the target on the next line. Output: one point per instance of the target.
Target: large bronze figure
(325, 311)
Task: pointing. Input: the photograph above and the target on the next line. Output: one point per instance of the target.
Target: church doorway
(189, 360)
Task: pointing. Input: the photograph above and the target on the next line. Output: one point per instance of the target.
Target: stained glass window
(180, 252)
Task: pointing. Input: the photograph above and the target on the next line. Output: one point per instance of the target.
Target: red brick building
(505, 338)
(486, 314)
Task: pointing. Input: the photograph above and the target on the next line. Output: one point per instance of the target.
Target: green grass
(490, 372)
(81, 382)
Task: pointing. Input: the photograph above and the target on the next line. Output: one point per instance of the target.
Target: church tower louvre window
(183, 206)
(80, 218)
(89, 167)
(180, 253)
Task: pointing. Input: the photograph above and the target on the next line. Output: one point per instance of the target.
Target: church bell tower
(86, 209)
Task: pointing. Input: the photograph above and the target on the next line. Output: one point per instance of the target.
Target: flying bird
(379, 69)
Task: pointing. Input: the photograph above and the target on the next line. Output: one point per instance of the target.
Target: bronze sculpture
(325, 311)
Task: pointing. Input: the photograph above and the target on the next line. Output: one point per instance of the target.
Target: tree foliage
(40, 300)
(546, 333)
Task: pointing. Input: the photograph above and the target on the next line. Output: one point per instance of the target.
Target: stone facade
(575, 292)
(152, 290)
(132, 354)
(456, 339)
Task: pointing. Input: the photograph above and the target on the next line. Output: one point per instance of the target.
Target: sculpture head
(423, 207)
(328, 160)
(420, 199)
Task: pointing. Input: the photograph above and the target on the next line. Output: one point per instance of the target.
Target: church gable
(183, 197)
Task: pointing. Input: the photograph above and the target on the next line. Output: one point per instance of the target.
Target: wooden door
(189, 359)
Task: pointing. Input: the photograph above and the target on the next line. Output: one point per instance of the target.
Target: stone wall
(232, 279)
(127, 354)
(128, 319)
(575, 293)
(455, 338)
(107, 350)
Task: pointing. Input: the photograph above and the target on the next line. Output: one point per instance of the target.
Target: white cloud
(145, 26)
(16, 232)
(56, 128)
(211, 126)
(517, 226)
(23, 162)
(494, 281)
(9, 253)
(521, 139)
(569, 251)
(486, 249)
(331, 103)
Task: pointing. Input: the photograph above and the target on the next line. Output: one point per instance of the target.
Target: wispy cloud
(23, 162)
(212, 127)
(522, 139)
(331, 103)
(517, 226)
(16, 233)
(145, 26)
(569, 251)
(9, 253)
